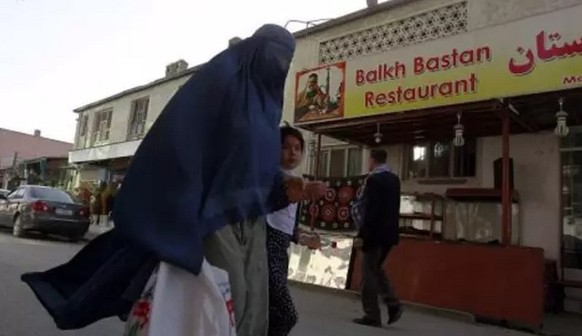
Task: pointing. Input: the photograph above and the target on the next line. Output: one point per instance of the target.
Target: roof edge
(135, 89)
(38, 137)
(350, 17)
(45, 158)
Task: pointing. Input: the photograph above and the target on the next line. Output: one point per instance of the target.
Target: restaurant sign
(533, 55)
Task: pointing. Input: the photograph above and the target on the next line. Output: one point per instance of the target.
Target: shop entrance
(571, 213)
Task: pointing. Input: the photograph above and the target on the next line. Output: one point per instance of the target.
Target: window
(138, 117)
(17, 194)
(83, 125)
(354, 162)
(83, 129)
(337, 159)
(323, 163)
(49, 194)
(101, 126)
(340, 162)
(440, 159)
(571, 162)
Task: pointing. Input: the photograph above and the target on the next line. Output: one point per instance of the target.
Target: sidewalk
(325, 313)
(95, 230)
(322, 313)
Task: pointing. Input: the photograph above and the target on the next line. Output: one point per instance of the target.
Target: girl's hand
(311, 240)
(295, 187)
(315, 190)
(300, 190)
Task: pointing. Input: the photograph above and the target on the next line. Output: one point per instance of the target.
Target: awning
(106, 152)
(531, 113)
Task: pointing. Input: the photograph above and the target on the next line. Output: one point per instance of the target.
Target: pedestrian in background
(97, 205)
(109, 197)
(377, 213)
(85, 194)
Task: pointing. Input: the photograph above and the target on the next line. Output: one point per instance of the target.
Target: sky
(57, 55)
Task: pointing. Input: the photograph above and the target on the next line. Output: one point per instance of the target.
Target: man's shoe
(367, 321)
(394, 313)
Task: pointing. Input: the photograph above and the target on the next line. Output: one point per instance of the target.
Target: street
(320, 313)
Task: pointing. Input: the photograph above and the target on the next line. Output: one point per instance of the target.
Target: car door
(11, 206)
(3, 211)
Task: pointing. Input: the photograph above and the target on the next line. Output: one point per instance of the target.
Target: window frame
(101, 126)
(83, 131)
(84, 125)
(326, 152)
(133, 130)
(429, 144)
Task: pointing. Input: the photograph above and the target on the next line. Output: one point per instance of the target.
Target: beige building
(110, 130)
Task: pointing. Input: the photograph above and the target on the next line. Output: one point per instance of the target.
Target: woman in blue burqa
(198, 187)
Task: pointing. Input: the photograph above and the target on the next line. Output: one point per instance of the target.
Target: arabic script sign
(534, 55)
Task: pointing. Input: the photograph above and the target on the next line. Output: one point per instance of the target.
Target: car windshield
(48, 194)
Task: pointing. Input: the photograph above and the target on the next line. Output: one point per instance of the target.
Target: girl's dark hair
(294, 132)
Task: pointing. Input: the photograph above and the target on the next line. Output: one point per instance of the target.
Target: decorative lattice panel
(438, 23)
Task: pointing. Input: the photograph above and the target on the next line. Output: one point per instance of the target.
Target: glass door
(571, 159)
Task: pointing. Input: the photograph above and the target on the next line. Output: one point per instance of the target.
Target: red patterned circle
(345, 194)
(343, 213)
(328, 213)
(330, 195)
(314, 210)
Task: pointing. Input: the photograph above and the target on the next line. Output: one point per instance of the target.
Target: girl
(280, 233)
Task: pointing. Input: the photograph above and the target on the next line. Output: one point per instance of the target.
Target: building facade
(17, 147)
(372, 51)
(109, 131)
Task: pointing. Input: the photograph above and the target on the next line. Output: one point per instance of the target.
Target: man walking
(376, 212)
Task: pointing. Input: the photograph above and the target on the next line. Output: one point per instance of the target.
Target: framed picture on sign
(320, 93)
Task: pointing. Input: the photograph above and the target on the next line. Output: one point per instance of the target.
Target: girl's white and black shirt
(284, 219)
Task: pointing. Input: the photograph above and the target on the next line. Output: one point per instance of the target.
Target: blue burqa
(211, 158)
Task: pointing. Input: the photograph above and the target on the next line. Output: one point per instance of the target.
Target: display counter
(492, 281)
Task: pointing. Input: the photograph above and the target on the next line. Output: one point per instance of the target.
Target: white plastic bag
(181, 304)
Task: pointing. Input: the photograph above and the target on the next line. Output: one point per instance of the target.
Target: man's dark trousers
(375, 283)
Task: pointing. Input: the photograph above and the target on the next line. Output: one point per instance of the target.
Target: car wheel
(17, 230)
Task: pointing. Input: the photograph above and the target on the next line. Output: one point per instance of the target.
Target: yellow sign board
(533, 55)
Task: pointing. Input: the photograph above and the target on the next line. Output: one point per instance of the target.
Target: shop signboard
(533, 55)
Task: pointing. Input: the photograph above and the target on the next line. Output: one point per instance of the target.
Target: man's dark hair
(294, 132)
(379, 155)
(313, 76)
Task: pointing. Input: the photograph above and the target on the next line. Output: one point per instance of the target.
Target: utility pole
(14, 160)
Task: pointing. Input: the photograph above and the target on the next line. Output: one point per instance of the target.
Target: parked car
(45, 210)
(4, 192)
